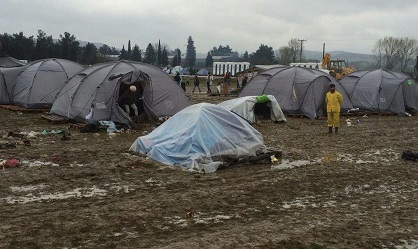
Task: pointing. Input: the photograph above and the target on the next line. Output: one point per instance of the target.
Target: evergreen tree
(264, 56)
(89, 54)
(246, 57)
(44, 47)
(22, 47)
(164, 57)
(190, 53)
(159, 54)
(136, 53)
(69, 46)
(221, 51)
(149, 56)
(123, 55)
(209, 60)
(6, 44)
(177, 58)
(129, 55)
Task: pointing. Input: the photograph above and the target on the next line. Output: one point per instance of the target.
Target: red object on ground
(11, 163)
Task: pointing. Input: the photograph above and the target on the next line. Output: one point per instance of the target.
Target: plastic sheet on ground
(198, 136)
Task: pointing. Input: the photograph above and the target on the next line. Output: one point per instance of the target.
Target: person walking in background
(196, 84)
(183, 84)
(177, 78)
(244, 81)
(209, 81)
(334, 100)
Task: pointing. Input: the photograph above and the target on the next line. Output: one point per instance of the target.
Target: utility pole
(301, 45)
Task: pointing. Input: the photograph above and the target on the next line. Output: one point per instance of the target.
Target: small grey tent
(98, 87)
(40, 81)
(250, 106)
(197, 138)
(8, 62)
(7, 82)
(298, 90)
(382, 91)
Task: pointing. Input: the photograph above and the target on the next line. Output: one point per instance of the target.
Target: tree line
(389, 52)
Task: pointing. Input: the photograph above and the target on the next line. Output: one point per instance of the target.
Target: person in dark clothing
(209, 80)
(183, 84)
(196, 83)
(128, 99)
(244, 81)
(177, 78)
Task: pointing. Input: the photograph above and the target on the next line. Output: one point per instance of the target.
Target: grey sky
(352, 26)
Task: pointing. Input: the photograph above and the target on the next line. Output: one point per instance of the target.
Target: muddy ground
(350, 190)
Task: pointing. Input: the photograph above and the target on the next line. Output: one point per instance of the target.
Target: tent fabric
(37, 85)
(297, 90)
(196, 137)
(8, 62)
(382, 91)
(202, 72)
(98, 88)
(7, 83)
(245, 108)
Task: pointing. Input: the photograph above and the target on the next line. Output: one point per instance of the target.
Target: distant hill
(348, 56)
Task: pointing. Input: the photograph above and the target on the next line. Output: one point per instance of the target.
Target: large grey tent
(98, 87)
(382, 91)
(250, 106)
(198, 137)
(40, 81)
(7, 82)
(298, 90)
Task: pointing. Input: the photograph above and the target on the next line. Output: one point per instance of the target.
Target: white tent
(250, 106)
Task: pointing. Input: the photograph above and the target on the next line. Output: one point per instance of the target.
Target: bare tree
(289, 53)
(294, 46)
(395, 53)
(285, 57)
(388, 48)
(407, 49)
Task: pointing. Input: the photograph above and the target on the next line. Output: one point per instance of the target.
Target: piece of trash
(11, 163)
(7, 145)
(409, 155)
(274, 159)
(348, 122)
(32, 135)
(144, 133)
(365, 115)
(65, 137)
(44, 132)
(354, 110)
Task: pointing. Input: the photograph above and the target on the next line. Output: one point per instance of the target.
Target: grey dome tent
(198, 137)
(7, 83)
(40, 81)
(382, 91)
(297, 90)
(8, 62)
(98, 88)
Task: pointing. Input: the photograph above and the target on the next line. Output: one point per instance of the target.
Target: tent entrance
(262, 110)
(131, 93)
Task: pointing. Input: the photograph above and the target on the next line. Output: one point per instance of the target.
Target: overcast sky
(346, 25)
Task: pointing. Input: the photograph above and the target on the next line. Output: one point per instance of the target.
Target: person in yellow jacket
(334, 100)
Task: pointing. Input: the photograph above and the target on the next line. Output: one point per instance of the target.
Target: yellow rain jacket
(334, 101)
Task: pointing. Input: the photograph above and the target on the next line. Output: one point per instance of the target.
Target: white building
(220, 68)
